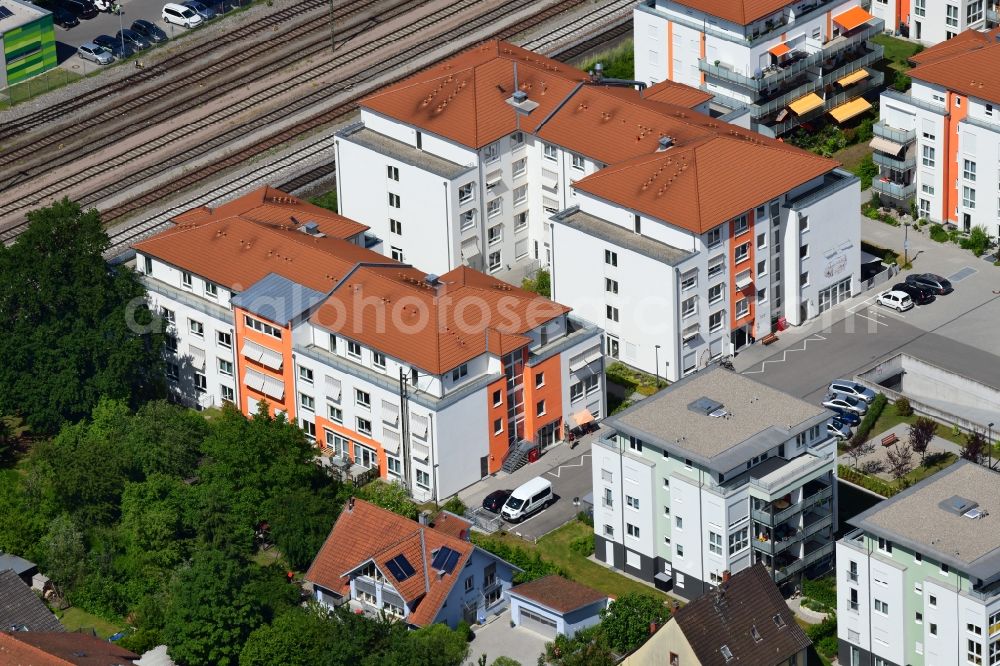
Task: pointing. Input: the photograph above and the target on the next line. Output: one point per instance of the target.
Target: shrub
(828, 645)
(463, 629)
(902, 83)
(867, 423)
(822, 590)
(938, 233)
(978, 241)
(455, 505)
(871, 483)
(585, 518)
(903, 407)
(890, 258)
(621, 375)
(583, 545)
(824, 629)
(541, 284)
(532, 565)
(866, 170)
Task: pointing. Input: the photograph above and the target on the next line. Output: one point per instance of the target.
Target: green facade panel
(29, 49)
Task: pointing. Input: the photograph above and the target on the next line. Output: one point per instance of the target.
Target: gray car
(94, 53)
(854, 389)
(201, 9)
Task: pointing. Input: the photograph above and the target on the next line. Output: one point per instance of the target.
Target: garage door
(538, 624)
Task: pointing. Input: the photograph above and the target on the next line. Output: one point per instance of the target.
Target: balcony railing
(817, 526)
(900, 136)
(873, 81)
(890, 162)
(906, 98)
(774, 547)
(786, 22)
(772, 520)
(791, 569)
(896, 191)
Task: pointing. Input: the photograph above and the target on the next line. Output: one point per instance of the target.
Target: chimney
(424, 517)
(350, 504)
(725, 576)
(598, 71)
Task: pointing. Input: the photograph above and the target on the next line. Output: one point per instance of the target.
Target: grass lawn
(328, 200)
(617, 63)
(890, 419)
(265, 557)
(921, 473)
(851, 156)
(554, 548)
(74, 618)
(897, 51)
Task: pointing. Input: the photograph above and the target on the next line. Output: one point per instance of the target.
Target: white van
(529, 497)
(180, 15)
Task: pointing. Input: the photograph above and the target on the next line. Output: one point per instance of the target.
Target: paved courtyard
(498, 638)
(878, 457)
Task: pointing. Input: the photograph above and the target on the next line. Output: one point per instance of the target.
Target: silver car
(854, 389)
(836, 401)
(94, 53)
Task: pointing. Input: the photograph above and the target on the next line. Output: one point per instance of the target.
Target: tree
(298, 637)
(210, 614)
(63, 551)
(73, 329)
(625, 622)
(975, 447)
(900, 458)
(166, 438)
(586, 648)
(300, 520)
(541, 284)
(434, 645)
(7, 440)
(921, 433)
(505, 661)
(391, 496)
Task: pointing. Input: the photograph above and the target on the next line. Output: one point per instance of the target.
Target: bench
(890, 439)
(768, 339)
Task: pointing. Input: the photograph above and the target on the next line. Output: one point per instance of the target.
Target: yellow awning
(853, 78)
(851, 109)
(779, 50)
(806, 104)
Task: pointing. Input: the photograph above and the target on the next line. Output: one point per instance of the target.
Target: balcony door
(365, 456)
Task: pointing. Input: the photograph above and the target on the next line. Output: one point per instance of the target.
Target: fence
(484, 520)
(879, 278)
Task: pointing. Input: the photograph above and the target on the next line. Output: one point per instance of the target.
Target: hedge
(871, 483)
(868, 422)
(821, 590)
(532, 565)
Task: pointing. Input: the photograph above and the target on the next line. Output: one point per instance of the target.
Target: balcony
(775, 513)
(892, 163)
(897, 191)
(815, 551)
(900, 136)
(788, 20)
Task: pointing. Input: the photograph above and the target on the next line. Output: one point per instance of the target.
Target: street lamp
(989, 443)
(656, 350)
(906, 243)
(121, 25)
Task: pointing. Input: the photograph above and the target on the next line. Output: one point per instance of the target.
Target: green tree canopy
(625, 622)
(299, 637)
(73, 330)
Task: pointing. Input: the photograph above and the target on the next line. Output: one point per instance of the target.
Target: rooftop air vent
(432, 279)
(958, 505)
(519, 100)
(708, 407)
(665, 143)
(975, 514)
(312, 228)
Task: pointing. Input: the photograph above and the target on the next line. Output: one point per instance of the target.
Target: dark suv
(82, 9)
(935, 283)
(918, 294)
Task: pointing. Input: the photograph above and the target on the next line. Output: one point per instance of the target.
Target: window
(549, 151)
(494, 234)
(394, 201)
(491, 153)
(680, 550)
(852, 572)
(989, 110)
(517, 139)
(944, 569)
(378, 360)
(396, 253)
(679, 522)
(968, 197)
(362, 398)
(920, 7)
(742, 308)
(974, 12)
(927, 153)
(497, 398)
(931, 600)
(632, 530)
(610, 258)
(305, 375)
(610, 286)
(635, 444)
(227, 392)
(224, 339)
(173, 372)
(261, 327)
(609, 531)
(740, 225)
(307, 402)
(497, 426)
(211, 290)
(521, 223)
(885, 545)
(689, 281)
(974, 652)
(575, 391)
(394, 466)
(200, 383)
(804, 251)
(186, 279)
(520, 167)
(951, 15)
(715, 321)
(459, 372)
(804, 279)
(494, 207)
(762, 295)
(578, 162)
(918, 617)
(395, 227)
(469, 583)
(739, 540)
(881, 607)
(466, 192)
(520, 194)
(716, 267)
(423, 479)
(196, 328)
(392, 173)
(168, 316)
(925, 207)
(171, 343)
(632, 502)
(689, 306)
(364, 426)
(540, 408)
(494, 261)
(926, 189)
(226, 367)
(540, 379)
(612, 312)
(853, 601)
(714, 237)
(973, 629)
(969, 170)
(761, 241)
(335, 413)
(715, 543)
(715, 293)
(932, 628)
(742, 252)
(468, 219)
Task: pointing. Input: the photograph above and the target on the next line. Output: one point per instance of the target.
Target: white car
(181, 15)
(897, 300)
(837, 402)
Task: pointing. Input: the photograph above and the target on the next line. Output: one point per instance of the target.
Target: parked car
(528, 498)
(853, 389)
(133, 39)
(845, 402)
(94, 53)
(201, 9)
(81, 9)
(896, 300)
(181, 15)
(114, 44)
(64, 18)
(838, 429)
(919, 295)
(495, 500)
(935, 283)
(846, 416)
(150, 31)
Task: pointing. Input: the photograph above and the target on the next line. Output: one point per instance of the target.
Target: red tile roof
(967, 40)
(434, 328)
(677, 94)
(742, 12)
(34, 648)
(371, 533)
(452, 525)
(558, 593)
(968, 68)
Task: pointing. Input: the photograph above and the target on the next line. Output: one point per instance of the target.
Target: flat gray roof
(617, 235)
(397, 150)
(757, 418)
(919, 518)
(277, 298)
(20, 13)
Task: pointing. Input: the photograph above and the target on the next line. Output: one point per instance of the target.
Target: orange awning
(779, 50)
(852, 18)
(806, 104)
(583, 417)
(853, 78)
(849, 110)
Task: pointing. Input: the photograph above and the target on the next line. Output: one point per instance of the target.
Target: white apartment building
(933, 21)
(713, 474)
(918, 580)
(749, 229)
(435, 381)
(938, 143)
(783, 62)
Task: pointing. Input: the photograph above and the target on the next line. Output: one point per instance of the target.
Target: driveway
(568, 470)
(498, 638)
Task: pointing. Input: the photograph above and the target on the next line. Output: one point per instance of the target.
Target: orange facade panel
(496, 408)
(250, 370)
(543, 397)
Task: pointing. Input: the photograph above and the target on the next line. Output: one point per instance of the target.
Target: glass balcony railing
(893, 163)
(893, 190)
(900, 136)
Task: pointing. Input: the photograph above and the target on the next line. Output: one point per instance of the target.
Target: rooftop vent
(975, 514)
(958, 505)
(708, 407)
(311, 228)
(519, 100)
(665, 142)
(432, 279)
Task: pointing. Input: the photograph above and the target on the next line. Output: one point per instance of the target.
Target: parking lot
(956, 331)
(569, 472)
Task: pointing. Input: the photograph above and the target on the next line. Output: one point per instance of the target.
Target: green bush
(828, 627)
(463, 629)
(583, 546)
(868, 422)
(978, 241)
(877, 486)
(938, 233)
(903, 407)
(541, 284)
(866, 170)
(532, 565)
(902, 82)
(890, 258)
(828, 646)
(585, 518)
(618, 373)
(455, 505)
(822, 590)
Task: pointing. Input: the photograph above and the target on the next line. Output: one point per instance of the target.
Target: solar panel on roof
(452, 560)
(400, 567)
(445, 560)
(4, 12)
(439, 558)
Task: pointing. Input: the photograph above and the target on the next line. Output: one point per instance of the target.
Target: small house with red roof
(554, 605)
(378, 561)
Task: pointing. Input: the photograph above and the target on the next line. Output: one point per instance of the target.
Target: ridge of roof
(970, 70)
(967, 40)
(742, 12)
